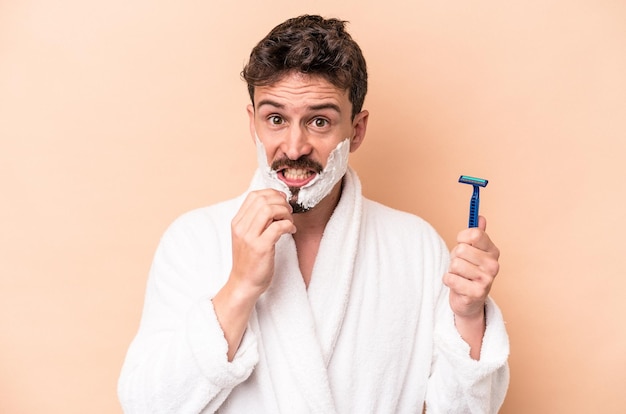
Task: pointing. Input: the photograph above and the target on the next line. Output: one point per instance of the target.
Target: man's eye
(320, 122)
(275, 120)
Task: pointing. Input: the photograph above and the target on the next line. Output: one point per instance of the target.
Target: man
(301, 296)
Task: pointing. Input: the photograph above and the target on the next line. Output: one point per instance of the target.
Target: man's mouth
(296, 177)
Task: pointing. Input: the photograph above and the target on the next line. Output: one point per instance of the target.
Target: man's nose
(296, 144)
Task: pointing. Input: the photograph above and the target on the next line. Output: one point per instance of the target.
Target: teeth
(296, 174)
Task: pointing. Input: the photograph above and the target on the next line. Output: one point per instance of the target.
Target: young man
(301, 296)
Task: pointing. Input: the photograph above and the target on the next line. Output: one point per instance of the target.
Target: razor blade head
(466, 179)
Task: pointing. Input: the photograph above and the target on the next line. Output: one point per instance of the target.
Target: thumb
(482, 223)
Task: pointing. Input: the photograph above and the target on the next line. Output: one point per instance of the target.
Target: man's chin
(298, 208)
(293, 202)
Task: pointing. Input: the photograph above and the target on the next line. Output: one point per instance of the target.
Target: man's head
(307, 81)
(311, 45)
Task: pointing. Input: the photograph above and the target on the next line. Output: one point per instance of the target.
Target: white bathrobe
(373, 333)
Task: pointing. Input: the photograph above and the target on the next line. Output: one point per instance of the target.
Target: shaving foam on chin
(320, 186)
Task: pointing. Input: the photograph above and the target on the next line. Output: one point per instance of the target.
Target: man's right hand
(262, 219)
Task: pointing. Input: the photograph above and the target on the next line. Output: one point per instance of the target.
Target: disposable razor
(475, 200)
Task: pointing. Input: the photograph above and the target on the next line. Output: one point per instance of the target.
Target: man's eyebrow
(329, 105)
(271, 103)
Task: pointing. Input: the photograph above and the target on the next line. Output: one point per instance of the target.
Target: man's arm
(183, 357)
(469, 371)
(262, 219)
(177, 361)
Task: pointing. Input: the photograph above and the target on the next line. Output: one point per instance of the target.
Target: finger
(482, 223)
(266, 196)
(260, 219)
(260, 209)
(276, 229)
(463, 287)
(477, 238)
(465, 269)
(473, 263)
(472, 291)
(473, 254)
(474, 231)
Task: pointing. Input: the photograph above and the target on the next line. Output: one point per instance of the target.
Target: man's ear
(250, 110)
(359, 124)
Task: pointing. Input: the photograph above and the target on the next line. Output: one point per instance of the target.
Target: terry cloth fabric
(373, 333)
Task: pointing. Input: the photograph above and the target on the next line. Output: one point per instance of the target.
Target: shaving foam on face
(270, 177)
(320, 186)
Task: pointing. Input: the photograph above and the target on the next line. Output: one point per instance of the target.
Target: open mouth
(296, 177)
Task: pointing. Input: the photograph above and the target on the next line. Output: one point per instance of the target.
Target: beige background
(117, 116)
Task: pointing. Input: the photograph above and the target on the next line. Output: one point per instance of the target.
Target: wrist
(472, 329)
(471, 318)
(233, 306)
(241, 295)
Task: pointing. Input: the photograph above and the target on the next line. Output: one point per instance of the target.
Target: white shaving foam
(316, 189)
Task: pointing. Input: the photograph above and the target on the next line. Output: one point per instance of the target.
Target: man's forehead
(297, 86)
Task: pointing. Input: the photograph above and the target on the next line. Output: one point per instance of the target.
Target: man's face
(300, 120)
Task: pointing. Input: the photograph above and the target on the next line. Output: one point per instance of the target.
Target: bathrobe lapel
(331, 280)
(288, 328)
(304, 325)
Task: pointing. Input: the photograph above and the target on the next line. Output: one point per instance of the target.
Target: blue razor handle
(475, 200)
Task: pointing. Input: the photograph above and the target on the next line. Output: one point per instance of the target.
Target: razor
(475, 200)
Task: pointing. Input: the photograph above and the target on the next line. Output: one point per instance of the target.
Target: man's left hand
(473, 268)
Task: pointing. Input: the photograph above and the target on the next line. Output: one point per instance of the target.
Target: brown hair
(311, 45)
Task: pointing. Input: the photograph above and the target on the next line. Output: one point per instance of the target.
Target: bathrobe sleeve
(458, 383)
(177, 363)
